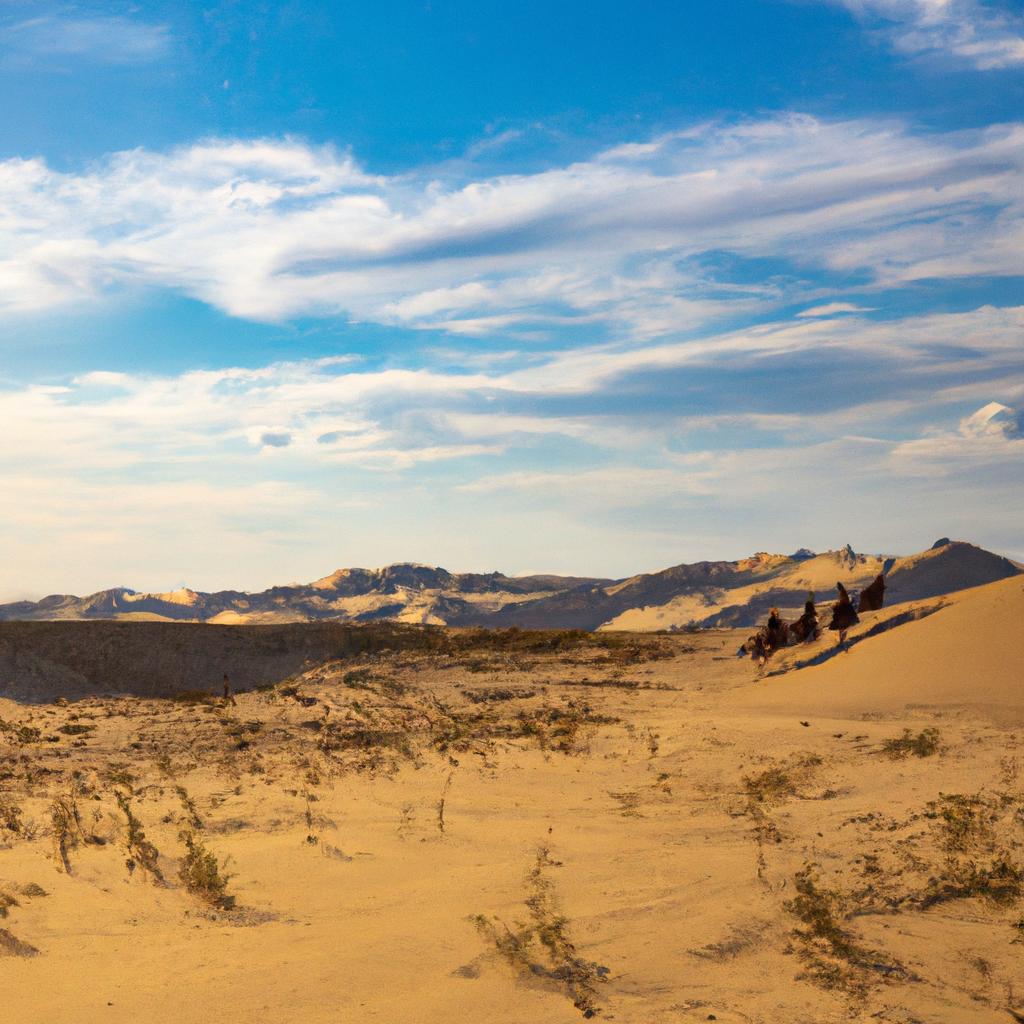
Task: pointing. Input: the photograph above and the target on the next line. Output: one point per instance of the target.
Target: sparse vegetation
(833, 957)
(202, 875)
(924, 744)
(141, 852)
(10, 945)
(117, 774)
(10, 815)
(776, 783)
(498, 694)
(770, 786)
(675, 770)
(6, 902)
(67, 828)
(76, 728)
(979, 855)
(441, 802)
(188, 805)
(21, 733)
(542, 947)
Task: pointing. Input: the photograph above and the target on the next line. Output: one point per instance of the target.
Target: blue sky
(591, 288)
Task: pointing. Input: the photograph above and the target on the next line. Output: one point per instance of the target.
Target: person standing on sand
(843, 615)
(229, 697)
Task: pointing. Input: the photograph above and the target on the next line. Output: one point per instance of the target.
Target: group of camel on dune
(776, 632)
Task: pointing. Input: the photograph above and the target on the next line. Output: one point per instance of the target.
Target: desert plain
(438, 825)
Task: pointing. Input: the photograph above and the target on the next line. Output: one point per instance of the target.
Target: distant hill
(701, 594)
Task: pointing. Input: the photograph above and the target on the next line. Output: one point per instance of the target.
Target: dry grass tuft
(975, 834)
(10, 816)
(924, 744)
(10, 945)
(832, 956)
(141, 852)
(542, 948)
(67, 828)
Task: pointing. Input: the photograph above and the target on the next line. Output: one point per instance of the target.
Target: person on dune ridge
(806, 627)
(872, 597)
(775, 631)
(843, 615)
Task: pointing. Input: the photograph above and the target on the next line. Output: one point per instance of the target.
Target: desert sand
(519, 827)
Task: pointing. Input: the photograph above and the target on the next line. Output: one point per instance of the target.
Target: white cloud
(833, 308)
(270, 230)
(989, 437)
(994, 420)
(970, 31)
(149, 480)
(109, 39)
(339, 412)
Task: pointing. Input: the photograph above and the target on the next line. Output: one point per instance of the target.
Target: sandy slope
(965, 656)
(673, 838)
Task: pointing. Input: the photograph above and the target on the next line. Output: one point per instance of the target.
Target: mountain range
(697, 595)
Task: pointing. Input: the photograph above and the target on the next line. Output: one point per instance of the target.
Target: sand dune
(965, 655)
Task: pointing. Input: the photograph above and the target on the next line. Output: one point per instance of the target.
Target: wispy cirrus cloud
(98, 38)
(834, 308)
(337, 411)
(978, 34)
(627, 240)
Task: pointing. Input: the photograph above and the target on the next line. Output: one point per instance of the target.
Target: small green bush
(202, 875)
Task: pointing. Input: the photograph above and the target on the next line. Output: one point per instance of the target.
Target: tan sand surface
(648, 829)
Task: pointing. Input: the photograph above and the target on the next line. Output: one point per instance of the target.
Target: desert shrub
(10, 816)
(963, 821)
(770, 786)
(6, 902)
(141, 852)
(364, 679)
(613, 648)
(561, 728)
(364, 737)
(979, 861)
(777, 782)
(18, 732)
(833, 957)
(76, 729)
(495, 694)
(241, 732)
(358, 679)
(543, 947)
(999, 881)
(13, 946)
(67, 828)
(924, 744)
(188, 805)
(202, 875)
(117, 774)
